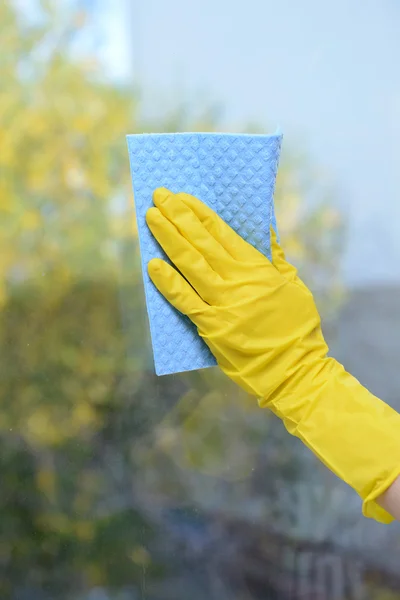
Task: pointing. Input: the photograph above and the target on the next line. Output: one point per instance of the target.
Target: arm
(390, 500)
(261, 323)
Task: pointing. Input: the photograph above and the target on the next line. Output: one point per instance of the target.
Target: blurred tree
(62, 162)
(92, 445)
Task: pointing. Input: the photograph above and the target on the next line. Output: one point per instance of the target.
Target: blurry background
(115, 484)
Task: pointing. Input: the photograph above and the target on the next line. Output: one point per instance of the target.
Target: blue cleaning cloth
(234, 175)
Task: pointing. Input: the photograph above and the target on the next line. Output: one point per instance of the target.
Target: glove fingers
(185, 257)
(191, 228)
(176, 289)
(235, 245)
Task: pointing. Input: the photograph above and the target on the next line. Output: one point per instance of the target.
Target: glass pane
(120, 485)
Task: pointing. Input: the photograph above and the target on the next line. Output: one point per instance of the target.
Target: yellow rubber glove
(262, 325)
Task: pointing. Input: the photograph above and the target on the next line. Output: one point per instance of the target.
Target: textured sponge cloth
(234, 175)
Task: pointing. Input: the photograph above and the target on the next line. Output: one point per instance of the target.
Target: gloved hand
(261, 323)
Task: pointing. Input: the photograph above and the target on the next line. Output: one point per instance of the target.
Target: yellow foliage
(84, 415)
(41, 428)
(62, 160)
(30, 220)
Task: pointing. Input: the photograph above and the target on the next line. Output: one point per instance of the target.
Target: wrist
(352, 432)
(390, 499)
